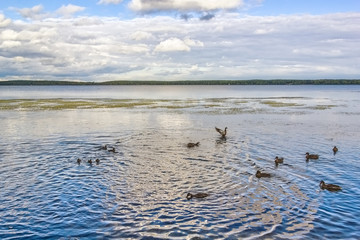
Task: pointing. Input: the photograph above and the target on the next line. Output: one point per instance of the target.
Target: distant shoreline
(186, 82)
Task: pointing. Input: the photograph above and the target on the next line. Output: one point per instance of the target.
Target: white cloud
(172, 45)
(263, 31)
(183, 5)
(87, 21)
(9, 44)
(34, 13)
(37, 12)
(141, 35)
(19, 59)
(8, 34)
(69, 10)
(4, 22)
(106, 2)
(193, 43)
(318, 53)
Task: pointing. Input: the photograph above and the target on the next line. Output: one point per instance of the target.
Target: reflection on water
(179, 92)
(139, 191)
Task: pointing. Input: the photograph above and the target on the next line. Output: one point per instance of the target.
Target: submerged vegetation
(322, 107)
(279, 104)
(60, 104)
(208, 106)
(192, 82)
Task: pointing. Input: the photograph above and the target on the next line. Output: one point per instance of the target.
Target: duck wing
(218, 130)
(201, 195)
(333, 187)
(222, 132)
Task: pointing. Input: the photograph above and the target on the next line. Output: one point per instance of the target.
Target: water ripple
(139, 191)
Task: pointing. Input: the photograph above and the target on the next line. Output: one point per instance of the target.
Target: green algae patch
(62, 104)
(322, 107)
(209, 105)
(217, 100)
(272, 103)
(171, 106)
(241, 102)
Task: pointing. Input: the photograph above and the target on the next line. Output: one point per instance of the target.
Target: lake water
(139, 191)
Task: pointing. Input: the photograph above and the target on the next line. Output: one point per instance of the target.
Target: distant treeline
(192, 82)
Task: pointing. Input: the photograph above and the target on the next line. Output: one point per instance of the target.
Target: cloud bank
(230, 46)
(183, 5)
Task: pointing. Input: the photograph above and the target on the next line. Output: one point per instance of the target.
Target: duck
(311, 156)
(89, 161)
(335, 149)
(78, 161)
(196, 195)
(329, 187)
(190, 145)
(104, 147)
(278, 160)
(97, 161)
(260, 174)
(222, 132)
(112, 150)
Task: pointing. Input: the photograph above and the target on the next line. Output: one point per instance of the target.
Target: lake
(139, 190)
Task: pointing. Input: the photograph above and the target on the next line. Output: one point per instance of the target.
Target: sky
(106, 40)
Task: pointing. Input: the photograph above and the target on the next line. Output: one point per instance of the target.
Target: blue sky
(265, 7)
(100, 40)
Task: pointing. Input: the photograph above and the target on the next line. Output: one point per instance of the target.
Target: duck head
(189, 196)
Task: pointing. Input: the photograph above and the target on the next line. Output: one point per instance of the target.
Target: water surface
(139, 191)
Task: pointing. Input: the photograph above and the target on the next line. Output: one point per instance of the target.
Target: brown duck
(335, 149)
(260, 174)
(222, 132)
(78, 161)
(191, 145)
(196, 195)
(311, 156)
(112, 150)
(97, 161)
(279, 160)
(329, 187)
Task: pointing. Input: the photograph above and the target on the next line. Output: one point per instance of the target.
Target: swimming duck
(330, 187)
(112, 150)
(103, 147)
(90, 161)
(190, 145)
(78, 161)
(278, 160)
(335, 149)
(197, 195)
(97, 161)
(311, 156)
(259, 174)
(222, 132)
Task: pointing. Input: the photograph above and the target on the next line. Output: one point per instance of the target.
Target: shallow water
(139, 192)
